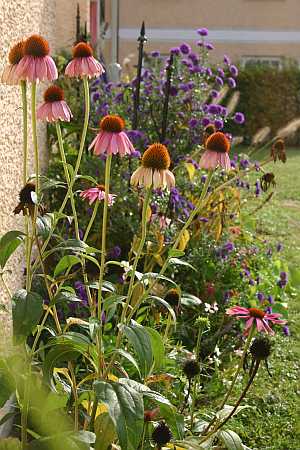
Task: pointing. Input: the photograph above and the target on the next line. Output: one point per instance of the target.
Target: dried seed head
(36, 46)
(112, 124)
(25, 193)
(218, 142)
(257, 312)
(237, 140)
(260, 348)
(290, 128)
(222, 94)
(261, 135)
(156, 157)
(53, 94)
(161, 435)
(191, 368)
(82, 50)
(279, 144)
(172, 297)
(232, 104)
(16, 53)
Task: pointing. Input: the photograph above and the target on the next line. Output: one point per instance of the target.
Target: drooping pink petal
(40, 111)
(30, 72)
(93, 196)
(70, 69)
(156, 179)
(51, 68)
(170, 179)
(137, 177)
(40, 69)
(148, 178)
(266, 325)
(55, 111)
(249, 322)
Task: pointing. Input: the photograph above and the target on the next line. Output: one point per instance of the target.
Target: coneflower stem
(24, 414)
(236, 406)
(186, 397)
(91, 220)
(196, 378)
(24, 101)
(167, 328)
(63, 158)
(250, 336)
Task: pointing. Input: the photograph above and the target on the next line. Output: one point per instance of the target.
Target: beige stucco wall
(66, 12)
(18, 20)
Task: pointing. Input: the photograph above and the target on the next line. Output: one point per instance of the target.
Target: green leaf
(10, 443)
(230, 439)
(74, 440)
(226, 411)
(175, 253)
(44, 224)
(126, 409)
(296, 277)
(141, 341)
(3, 308)
(8, 416)
(27, 309)
(107, 286)
(61, 352)
(64, 296)
(75, 337)
(278, 308)
(210, 271)
(54, 401)
(105, 431)
(66, 262)
(129, 357)
(158, 347)
(190, 300)
(94, 325)
(179, 262)
(87, 177)
(160, 277)
(7, 383)
(112, 301)
(71, 244)
(52, 183)
(8, 244)
(173, 420)
(89, 250)
(144, 390)
(70, 168)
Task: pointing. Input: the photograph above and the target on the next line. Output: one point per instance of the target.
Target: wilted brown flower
(26, 203)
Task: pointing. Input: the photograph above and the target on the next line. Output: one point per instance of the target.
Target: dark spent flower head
(36, 46)
(112, 124)
(172, 297)
(26, 201)
(16, 53)
(54, 94)
(191, 368)
(218, 142)
(82, 50)
(260, 348)
(210, 129)
(156, 157)
(161, 435)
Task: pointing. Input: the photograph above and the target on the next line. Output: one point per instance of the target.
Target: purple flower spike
(203, 32)
(155, 54)
(286, 331)
(226, 59)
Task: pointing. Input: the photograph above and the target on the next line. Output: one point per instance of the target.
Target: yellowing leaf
(112, 377)
(136, 295)
(100, 408)
(191, 169)
(135, 244)
(160, 240)
(149, 213)
(186, 235)
(161, 377)
(72, 320)
(158, 259)
(63, 371)
(182, 244)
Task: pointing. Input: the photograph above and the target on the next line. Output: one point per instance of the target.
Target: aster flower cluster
(224, 250)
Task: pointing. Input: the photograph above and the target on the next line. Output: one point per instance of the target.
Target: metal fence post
(142, 39)
(165, 116)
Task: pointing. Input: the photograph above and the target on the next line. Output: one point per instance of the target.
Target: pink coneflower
(36, 65)
(9, 75)
(217, 147)
(97, 192)
(54, 107)
(155, 164)
(83, 63)
(255, 313)
(163, 221)
(112, 138)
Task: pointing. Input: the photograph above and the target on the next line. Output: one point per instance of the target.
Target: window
(265, 61)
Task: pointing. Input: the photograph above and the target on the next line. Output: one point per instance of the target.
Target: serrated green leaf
(72, 244)
(126, 409)
(66, 262)
(44, 224)
(167, 305)
(226, 411)
(278, 308)
(144, 390)
(129, 357)
(54, 401)
(179, 262)
(190, 300)
(27, 309)
(107, 286)
(75, 337)
(141, 341)
(105, 431)
(230, 439)
(94, 325)
(8, 244)
(7, 383)
(52, 183)
(112, 301)
(176, 253)
(158, 347)
(64, 296)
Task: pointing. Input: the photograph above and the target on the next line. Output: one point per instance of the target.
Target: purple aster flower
(117, 250)
(197, 69)
(219, 81)
(279, 246)
(96, 96)
(209, 46)
(239, 118)
(72, 306)
(204, 122)
(118, 98)
(185, 87)
(103, 320)
(191, 84)
(258, 280)
(155, 54)
(218, 123)
(185, 212)
(202, 32)
(248, 186)
(193, 57)
(224, 111)
(173, 91)
(80, 233)
(174, 51)
(221, 73)
(226, 59)
(204, 219)
(208, 71)
(47, 302)
(185, 48)
(226, 297)
(234, 71)
(271, 299)
(59, 314)
(193, 122)
(233, 164)
(258, 192)
(199, 43)
(231, 82)
(283, 275)
(214, 109)
(270, 253)
(203, 178)
(111, 256)
(251, 282)
(191, 206)
(260, 296)
(90, 211)
(286, 330)
(214, 93)
(232, 216)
